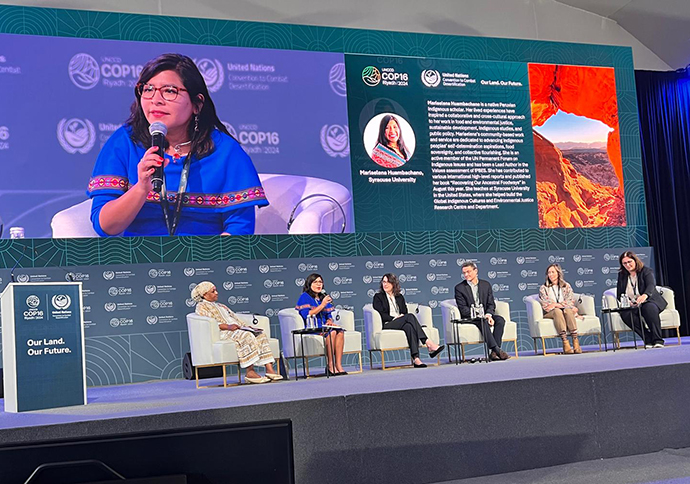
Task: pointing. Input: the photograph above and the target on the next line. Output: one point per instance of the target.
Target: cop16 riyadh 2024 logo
(386, 76)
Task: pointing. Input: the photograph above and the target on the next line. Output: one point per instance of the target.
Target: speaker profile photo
(389, 140)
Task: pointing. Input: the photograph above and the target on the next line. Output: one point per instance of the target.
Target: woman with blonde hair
(557, 300)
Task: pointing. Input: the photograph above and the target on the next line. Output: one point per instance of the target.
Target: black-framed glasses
(169, 93)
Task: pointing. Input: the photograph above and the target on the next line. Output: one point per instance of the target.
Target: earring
(196, 122)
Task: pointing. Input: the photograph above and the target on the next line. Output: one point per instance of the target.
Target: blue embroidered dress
(386, 157)
(306, 303)
(222, 189)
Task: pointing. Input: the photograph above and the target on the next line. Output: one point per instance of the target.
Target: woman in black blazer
(636, 282)
(390, 304)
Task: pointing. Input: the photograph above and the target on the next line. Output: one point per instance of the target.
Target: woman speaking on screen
(210, 184)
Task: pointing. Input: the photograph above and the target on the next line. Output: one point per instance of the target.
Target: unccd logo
(152, 319)
(264, 269)
(605, 270)
(83, 71)
(431, 78)
(190, 302)
(299, 282)
(367, 279)
(431, 277)
(577, 258)
(76, 135)
(491, 274)
(108, 275)
(150, 289)
(249, 134)
(212, 72)
(189, 271)
(333, 266)
(265, 298)
(335, 140)
(110, 307)
(520, 260)
(33, 301)
(398, 264)
(336, 78)
(228, 285)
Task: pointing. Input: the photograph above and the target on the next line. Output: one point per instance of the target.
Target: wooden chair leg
(225, 377)
(543, 346)
(383, 360)
(196, 373)
(678, 333)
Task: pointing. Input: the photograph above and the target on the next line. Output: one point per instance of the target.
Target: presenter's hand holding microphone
(325, 299)
(150, 168)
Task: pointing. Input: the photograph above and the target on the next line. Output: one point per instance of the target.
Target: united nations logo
(431, 78)
(265, 298)
(370, 293)
(189, 271)
(336, 281)
(402, 278)
(371, 76)
(522, 286)
(264, 269)
(493, 261)
(491, 274)
(83, 71)
(155, 304)
(114, 322)
(432, 263)
(153, 273)
(577, 258)
(230, 270)
(23, 278)
(190, 302)
(152, 319)
(299, 282)
(552, 259)
(150, 289)
(302, 267)
(33, 301)
(108, 275)
(112, 291)
(524, 273)
(580, 270)
(268, 283)
(212, 72)
(402, 291)
(335, 140)
(431, 277)
(433, 304)
(605, 270)
(110, 307)
(232, 300)
(336, 78)
(335, 294)
(398, 264)
(496, 288)
(228, 285)
(76, 135)
(367, 279)
(579, 283)
(270, 312)
(369, 265)
(434, 290)
(333, 266)
(520, 260)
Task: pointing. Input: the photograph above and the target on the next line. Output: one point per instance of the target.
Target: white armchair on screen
(670, 317)
(209, 350)
(541, 328)
(382, 340)
(290, 320)
(469, 334)
(318, 213)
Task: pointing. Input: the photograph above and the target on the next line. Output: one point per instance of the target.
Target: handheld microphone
(158, 131)
(17, 263)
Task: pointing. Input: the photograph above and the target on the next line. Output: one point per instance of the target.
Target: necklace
(178, 150)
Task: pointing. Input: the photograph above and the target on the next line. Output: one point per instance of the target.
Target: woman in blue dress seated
(314, 302)
(210, 184)
(390, 151)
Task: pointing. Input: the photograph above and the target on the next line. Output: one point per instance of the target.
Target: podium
(43, 346)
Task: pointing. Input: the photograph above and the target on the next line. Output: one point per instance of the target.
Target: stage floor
(162, 397)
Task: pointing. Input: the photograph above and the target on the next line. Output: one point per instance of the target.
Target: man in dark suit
(476, 291)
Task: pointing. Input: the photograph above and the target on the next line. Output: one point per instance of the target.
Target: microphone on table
(158, 131)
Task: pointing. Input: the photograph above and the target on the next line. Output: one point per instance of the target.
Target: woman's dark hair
(382, 134)
(561, 279)
(630, 255)
(392, 278)
(307, 284)
(193, 81)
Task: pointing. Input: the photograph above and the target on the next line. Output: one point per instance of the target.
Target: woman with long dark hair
(390, 150)
(636, 283)
(390, 304)
(314, 302)
(211, 186)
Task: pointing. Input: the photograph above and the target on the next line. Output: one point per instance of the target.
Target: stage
(418, 425)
